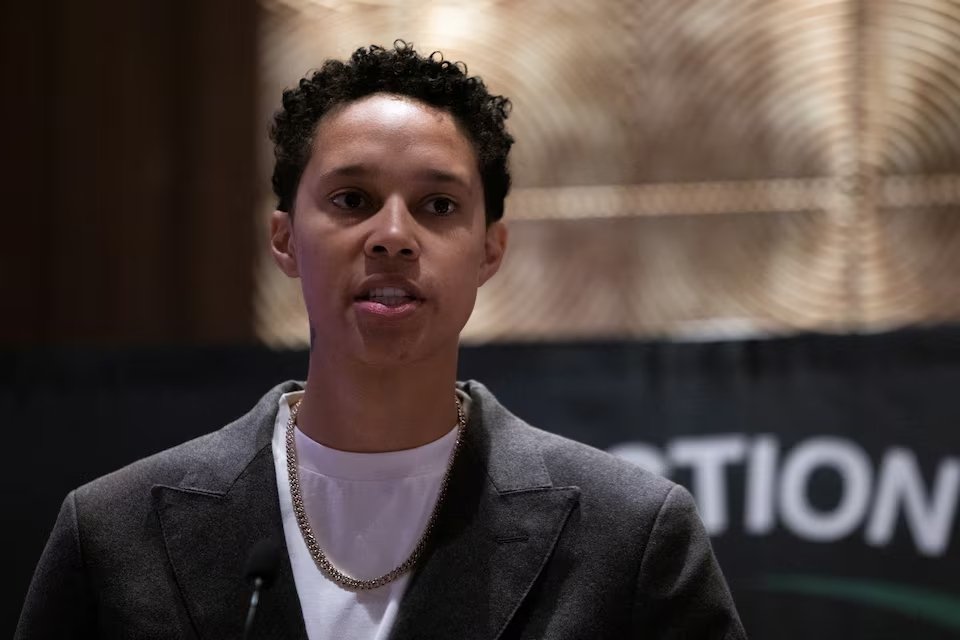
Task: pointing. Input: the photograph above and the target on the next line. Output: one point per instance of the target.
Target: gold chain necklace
(323, 563)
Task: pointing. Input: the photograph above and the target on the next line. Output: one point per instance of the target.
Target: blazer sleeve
(681, 591)
(59, 603)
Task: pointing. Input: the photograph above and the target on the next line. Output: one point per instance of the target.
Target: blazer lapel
(212, 520)
(497, 528)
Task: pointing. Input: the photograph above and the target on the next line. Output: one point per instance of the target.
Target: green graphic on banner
(938, 608)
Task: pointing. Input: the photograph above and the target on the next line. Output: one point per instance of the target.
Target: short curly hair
(400, 71)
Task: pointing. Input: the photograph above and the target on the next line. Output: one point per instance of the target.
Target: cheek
(322, 275)
(319, 248)
(465, 279)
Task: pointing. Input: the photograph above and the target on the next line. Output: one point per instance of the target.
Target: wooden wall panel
(128, 171)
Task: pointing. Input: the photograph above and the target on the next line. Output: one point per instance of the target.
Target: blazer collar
(225, 503)
(500, 522)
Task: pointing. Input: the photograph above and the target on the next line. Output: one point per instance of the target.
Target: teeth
(389, 292)
(390, 296)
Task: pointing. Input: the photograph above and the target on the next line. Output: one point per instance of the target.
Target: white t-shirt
(367, 510)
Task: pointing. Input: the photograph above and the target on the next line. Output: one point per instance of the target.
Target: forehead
(385, 125)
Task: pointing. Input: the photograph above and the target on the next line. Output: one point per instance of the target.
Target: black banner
(826, 468)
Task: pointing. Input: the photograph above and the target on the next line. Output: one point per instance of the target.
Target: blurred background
(735, 259)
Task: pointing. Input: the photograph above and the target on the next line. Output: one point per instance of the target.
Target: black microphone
(262, 566)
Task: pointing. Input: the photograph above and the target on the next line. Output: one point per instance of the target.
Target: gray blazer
(539, 537)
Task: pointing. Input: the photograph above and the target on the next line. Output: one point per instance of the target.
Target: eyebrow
(438, 175)
(427, 175)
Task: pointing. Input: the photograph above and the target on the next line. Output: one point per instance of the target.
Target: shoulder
(168, 467)
(634, 533)
(605, 482)
(208, 463)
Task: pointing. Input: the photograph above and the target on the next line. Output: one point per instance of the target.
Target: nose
(393, 233)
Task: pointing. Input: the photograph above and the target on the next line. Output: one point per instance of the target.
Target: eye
(350, 200)
(441, 206)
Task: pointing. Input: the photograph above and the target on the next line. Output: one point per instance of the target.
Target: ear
(494, 246)
(281, 243)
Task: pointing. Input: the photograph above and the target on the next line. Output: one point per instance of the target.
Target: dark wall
(72, 415)
(128, 171)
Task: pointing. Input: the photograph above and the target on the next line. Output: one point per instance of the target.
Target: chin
(393, 351)
(384, 352)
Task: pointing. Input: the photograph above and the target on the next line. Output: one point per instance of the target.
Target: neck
(364, 408)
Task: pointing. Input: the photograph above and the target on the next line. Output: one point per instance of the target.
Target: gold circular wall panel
(687, 168)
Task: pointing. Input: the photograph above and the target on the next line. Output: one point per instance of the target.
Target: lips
(387, 297)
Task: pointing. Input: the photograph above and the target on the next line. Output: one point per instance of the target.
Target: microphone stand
(262, 567)
(252, 611)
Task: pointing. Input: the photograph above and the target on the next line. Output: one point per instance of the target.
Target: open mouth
(389, 296)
